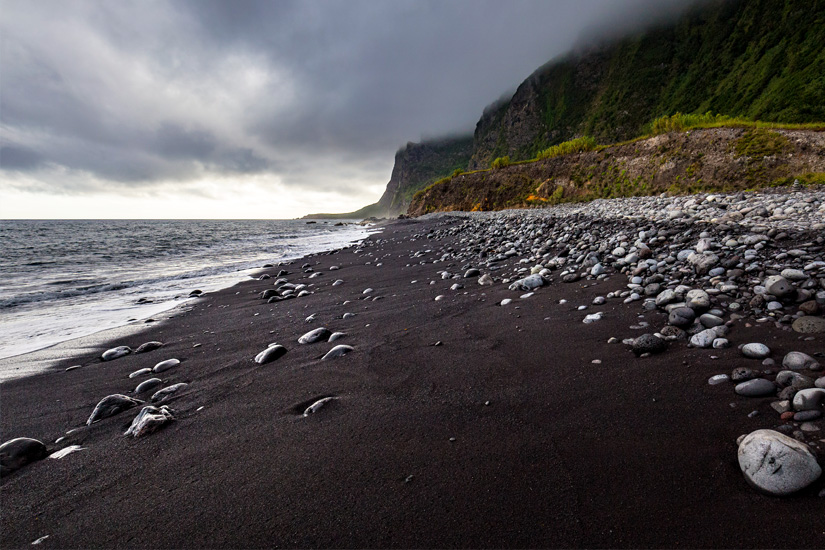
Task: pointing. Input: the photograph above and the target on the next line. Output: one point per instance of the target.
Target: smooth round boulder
(758, 387)
(756, 351)
(110, 406)
(777, 464)
(115, 353)
(809, 325)
(165, 365)
(531, 282)
(270, 354)
(336, 336)
(338, 351)
(681, 317)
(778, 286)
(148, 385)
(809, 400)
(472, 272)
(18, 452)
(648, 343)
(796, 360)
(320, 333)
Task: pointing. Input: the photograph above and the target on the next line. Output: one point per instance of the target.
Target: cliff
(417, 165)
(760, 59)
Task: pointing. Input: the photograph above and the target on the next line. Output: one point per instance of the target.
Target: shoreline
(36, 360)
(456, 422)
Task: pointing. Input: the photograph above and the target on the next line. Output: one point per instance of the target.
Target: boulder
(777, 464)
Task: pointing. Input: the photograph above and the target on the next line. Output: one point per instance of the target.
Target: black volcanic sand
(627, 453)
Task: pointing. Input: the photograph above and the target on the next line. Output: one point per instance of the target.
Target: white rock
(809, 399)
(114, 353)
(777, 464)
(796, 360)
(165, 365)
(756, 351)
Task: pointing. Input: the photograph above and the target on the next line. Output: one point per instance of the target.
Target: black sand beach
(506, 434)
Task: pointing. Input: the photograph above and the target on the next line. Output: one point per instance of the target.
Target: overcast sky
(253, 109)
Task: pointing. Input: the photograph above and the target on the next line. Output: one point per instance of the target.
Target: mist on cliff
(207, 108)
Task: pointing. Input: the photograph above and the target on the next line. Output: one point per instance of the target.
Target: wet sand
(505, 435)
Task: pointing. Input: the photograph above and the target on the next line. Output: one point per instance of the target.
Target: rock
(704, 339)
(597, 270)
(148, 346)
(110, 406)
(338, 351)
(777, 464)
(809, 325)
(321, 333)
(140, 372)
(681, 317)
(18, 452)
(665, 297)
(781, 406)
(755, 351)
(268, 293)
(697, 300)
(472, 272)
(718, 379)
(336, 336)
(531, 282)
(702, 263)
(149, 420)
(789, 378)
(758, 387)
(270, 354)
(315, 407)
(367, 291)
(165, 365)
(796, 360)
(114, 353)
(808, 400)
(160, 395)
(485, 280)
(742, 374)
(648, 343)
(778, 286)
(148, 385)
(505, 301)
(807, 416)
(793, 275)
(709, 321)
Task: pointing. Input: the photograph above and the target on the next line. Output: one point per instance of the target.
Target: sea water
(63, 279)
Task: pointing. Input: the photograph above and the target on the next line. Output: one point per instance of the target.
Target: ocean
(63, 279)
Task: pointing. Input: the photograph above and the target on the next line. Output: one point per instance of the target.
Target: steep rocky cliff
(417, 165)
(762, 59)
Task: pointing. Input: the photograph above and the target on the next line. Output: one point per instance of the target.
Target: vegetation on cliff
(759, 59)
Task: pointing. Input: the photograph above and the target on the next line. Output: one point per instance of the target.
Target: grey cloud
(19, 158)
(318, 94)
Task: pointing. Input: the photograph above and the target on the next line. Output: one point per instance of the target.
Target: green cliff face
(760, 59)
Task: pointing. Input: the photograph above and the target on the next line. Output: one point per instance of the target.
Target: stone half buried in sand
(320, 333)
(115, 353)
(777, 464)
(648, 343)
(149, 346)
(531, 282)
(110, 406)
(270, 354)
(18, 452)
(160, 395)
(165, 365)
(338, 351)
(149, 420)
(809, 325)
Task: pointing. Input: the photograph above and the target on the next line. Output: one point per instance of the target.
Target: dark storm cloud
(313, 92)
